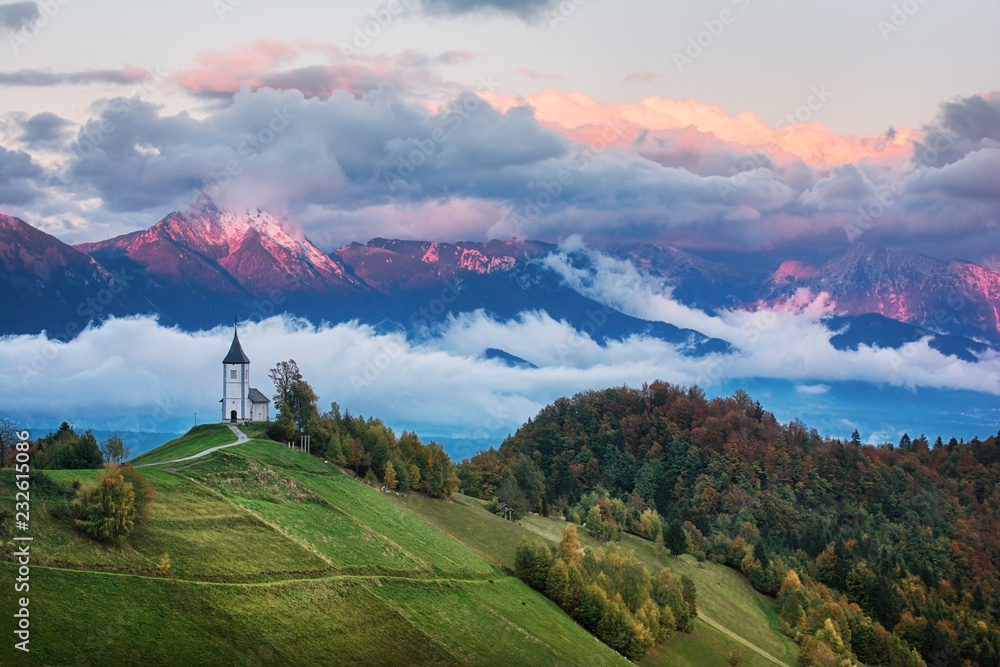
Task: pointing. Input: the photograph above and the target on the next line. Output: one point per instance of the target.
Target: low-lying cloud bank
(134, 374)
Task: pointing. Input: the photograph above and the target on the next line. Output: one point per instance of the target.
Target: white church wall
(259, 412)
(236, 390)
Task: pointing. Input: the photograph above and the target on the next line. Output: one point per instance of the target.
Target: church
(241, 403)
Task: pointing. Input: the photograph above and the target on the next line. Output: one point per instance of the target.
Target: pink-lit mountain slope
(954, 296)
(388, 266)
(47, 284)
(199, 267)
(224, 252)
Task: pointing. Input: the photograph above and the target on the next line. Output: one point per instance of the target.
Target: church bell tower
(235, 382)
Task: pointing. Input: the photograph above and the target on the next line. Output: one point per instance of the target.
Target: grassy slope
(348, 578)
(463, 518)
(722, 594)
(705, 646)
(196, 440)
(328, 621)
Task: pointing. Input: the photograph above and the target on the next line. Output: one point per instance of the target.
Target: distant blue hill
(507, 358)
(877, 331)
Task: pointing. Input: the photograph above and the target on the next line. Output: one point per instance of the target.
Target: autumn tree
(557, 583)
(143, 491)
(105, 510)
(826, 565)
(284, 375)
(595, 524)
(649, 525)
(389, 479)
(413, 470)
(483, 473)
(570, 549)
(300, 405)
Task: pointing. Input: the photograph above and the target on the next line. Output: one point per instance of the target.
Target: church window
(232, 374)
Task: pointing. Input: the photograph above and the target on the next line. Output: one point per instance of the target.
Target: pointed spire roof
(236, 354)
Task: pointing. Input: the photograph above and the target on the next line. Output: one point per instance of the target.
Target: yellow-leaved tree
(105, 509)
(389, 479)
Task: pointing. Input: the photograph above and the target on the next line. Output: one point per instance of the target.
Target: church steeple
(241, 403)
(236, 354)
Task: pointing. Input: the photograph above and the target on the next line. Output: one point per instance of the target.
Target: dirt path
(241, 437)
(735, 637)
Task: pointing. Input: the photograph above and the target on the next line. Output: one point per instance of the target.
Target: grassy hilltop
(278, 558)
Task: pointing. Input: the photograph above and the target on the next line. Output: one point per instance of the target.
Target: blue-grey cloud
(18, 174)
(347, 153)
(962, 127)
(39, 77)
(973, 118)
(525, 9)
(18, 15)
(342, 151)
(45, 127)
(353, 165)
(845, 186)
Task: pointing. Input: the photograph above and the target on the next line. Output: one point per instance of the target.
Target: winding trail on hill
(735, 637)
(241, 437)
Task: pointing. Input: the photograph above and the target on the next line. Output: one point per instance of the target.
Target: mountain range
(196, 268)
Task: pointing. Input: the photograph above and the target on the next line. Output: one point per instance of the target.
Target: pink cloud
(812, 142)
(226, 71)
(316, 69)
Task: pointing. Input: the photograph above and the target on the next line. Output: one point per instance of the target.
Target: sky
(739, 127)
(748, 131)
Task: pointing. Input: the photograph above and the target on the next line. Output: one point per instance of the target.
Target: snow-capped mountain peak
(256, 250)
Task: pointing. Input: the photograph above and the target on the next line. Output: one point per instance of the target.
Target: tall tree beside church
(300, 405)
(284, 375)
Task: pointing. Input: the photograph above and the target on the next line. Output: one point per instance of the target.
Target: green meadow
(261, 555)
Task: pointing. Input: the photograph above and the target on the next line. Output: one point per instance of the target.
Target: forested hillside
(873, 552)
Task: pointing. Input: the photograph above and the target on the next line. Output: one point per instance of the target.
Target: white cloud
(133, 374)
(813, 389)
